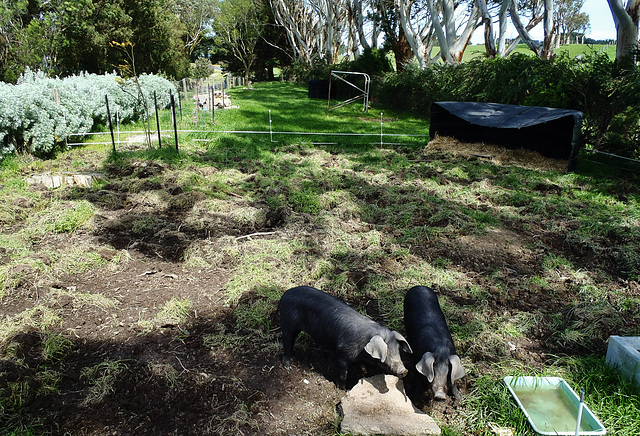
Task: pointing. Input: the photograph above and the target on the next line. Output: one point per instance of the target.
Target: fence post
(175, 127)
(155, 102)
(213, 105)
(222, 87)
(113, 140)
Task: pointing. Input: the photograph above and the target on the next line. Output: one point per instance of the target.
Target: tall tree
(569, 19)
(452, 44)
(387, 16)
(196, 16)
(626, 19)
(315, 28)
(240, 23)
(63, 37)
(415, 22)
(157, 37)
(18, 45)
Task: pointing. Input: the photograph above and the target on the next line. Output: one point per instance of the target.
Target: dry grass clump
(495, 154)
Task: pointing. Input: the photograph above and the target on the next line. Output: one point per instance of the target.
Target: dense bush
(374, 62)
(32, 121)
(610, 100)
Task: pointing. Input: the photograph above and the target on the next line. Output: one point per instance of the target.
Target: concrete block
(623, 353)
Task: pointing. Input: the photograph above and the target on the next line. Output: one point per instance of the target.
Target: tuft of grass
(101, 380)
(55, 347)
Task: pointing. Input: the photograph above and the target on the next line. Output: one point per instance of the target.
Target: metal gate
(364, 92)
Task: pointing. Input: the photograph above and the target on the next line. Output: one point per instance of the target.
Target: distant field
(573, 50)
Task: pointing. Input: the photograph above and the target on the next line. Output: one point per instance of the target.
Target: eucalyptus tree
(569, 19)
(626, 20)
(452, 44)
(315, 28)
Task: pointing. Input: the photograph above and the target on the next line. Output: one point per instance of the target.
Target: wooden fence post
(175, 127)
(155, 101)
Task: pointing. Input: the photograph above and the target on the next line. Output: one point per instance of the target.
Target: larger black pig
(339, 328)
(433, 348)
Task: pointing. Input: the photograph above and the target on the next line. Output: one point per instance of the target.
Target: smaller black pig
(339, 328)
(429, 336)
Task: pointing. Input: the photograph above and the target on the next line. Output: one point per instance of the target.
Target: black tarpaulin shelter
(554, 133)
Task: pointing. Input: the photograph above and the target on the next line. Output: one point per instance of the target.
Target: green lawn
(572, 49)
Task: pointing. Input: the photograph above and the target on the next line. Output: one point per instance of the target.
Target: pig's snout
(399, 370)
(439, 394)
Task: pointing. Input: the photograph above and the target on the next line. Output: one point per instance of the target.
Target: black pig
(338, 328)
(429, 336)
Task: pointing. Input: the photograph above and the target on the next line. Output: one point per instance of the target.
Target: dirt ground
(204, 376)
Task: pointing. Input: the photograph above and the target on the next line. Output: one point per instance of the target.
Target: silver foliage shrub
(32, 121)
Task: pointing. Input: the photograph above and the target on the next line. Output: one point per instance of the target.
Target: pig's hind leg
(288, 339)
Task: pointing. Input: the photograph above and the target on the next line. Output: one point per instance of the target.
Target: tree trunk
(489, 41)
(358, 22)
(522, 32)
(626, 20)
(502, 35)
(442, 39)
(413, 38)
(549, 30)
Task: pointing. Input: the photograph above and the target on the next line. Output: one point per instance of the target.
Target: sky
(602, 26)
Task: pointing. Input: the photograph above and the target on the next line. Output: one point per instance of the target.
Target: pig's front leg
(341, 366)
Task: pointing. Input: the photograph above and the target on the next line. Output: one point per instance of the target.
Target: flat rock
(52, 181)
(379, 406)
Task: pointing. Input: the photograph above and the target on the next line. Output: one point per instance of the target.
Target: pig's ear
(377, 348)
(404, 344)
(457, 371)
(425, 366)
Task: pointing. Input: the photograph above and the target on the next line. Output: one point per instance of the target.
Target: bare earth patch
(158, 347)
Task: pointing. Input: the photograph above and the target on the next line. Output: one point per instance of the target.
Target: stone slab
(53, 181)
(379, 406)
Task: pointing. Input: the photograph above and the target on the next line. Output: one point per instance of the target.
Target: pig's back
(424, 321)
(328, 320)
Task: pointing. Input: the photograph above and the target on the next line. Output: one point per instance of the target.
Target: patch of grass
(224, 339)
(306, 201)
(268, 263)
(83, 299)
(101, 380)
(38, 318)
(173, 313)
(73, 217)
(77, 261)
